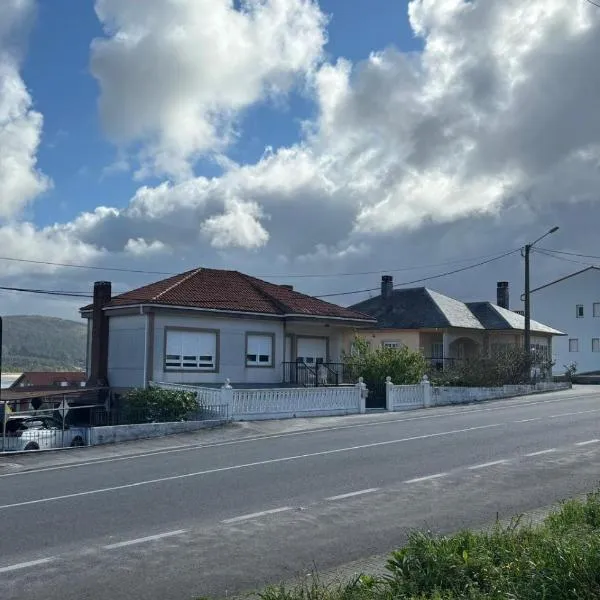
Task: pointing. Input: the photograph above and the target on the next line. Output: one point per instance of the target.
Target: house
(48, 380)
(446, 330)
(208, 325)
(573, 304)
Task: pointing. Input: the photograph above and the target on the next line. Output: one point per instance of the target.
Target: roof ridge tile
(177, 283)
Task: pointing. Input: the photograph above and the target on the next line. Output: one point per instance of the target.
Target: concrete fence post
(227, 397)
(388, 393)
(362, 391)
(426, 391)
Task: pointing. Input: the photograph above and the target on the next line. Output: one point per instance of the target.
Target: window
(573, 345)
(191, 350)
(595, 344)
(395, 345)
(579, 311)
(259, 350)
(596, 310)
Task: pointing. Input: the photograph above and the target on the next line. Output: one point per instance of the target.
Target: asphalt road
(226, 517)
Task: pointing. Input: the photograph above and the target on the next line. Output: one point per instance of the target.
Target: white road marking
(587, 442)
(269, 461)
(426, 478)
(273, 511)
(488, 464)
(512, 403)
(150, 538)
(26, 565)
(579, 412)
(540, 452)
(529, 420)
(353, 494)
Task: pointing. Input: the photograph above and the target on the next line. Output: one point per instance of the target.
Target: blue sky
(75, 152)
(403, 136)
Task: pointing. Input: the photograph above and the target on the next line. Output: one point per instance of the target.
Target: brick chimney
(387, 286)
(502, 296)
(98, 375)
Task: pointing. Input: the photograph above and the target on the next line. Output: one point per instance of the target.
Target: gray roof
(418, 308)
(422, 308)
(496, 318)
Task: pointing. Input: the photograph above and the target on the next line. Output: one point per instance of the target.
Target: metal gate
(376, 398)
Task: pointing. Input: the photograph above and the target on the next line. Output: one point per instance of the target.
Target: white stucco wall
(555, 305)
(232, 349)
(126, 344)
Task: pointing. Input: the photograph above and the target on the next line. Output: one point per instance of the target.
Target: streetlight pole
(527, 333)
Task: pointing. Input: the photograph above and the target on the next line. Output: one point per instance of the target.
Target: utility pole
(527, 336)
(527, 299)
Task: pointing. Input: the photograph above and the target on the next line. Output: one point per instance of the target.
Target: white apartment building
(572, 304)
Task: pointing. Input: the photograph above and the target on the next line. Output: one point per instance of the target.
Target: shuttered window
(259, 350)
(193, 350)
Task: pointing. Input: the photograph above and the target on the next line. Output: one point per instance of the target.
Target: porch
(443, 350)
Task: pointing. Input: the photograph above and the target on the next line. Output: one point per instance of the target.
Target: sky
(314, 143)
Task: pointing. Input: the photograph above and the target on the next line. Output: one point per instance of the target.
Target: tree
(155, 405)
(403, 365)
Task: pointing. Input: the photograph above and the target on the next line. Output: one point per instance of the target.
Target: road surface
(222, 518)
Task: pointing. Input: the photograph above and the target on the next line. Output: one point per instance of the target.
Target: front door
(311, 350)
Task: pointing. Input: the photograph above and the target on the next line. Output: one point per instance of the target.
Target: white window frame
(260, 350)
(577, 311)
(596, 309)
(194, 350)
(595, 344)
(573, 344)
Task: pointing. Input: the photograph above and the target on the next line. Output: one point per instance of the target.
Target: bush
(511, 366)
(557, 560)
(155, 405)
(404, 366)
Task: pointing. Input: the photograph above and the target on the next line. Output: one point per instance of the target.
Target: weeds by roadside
(558, 559)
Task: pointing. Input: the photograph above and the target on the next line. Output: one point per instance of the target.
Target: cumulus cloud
(20, 124)
(174, 75)
(479, 142)
(140, 247)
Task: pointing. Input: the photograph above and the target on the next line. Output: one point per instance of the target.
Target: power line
(569, 253)
(85, 295)
(593, 3)
(423, 279)
(270, 276)
(564, 258)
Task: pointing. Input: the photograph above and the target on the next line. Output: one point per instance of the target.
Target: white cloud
(239, 227)
(20, 125)
(140, 247)
(478, 143)
(174, 75)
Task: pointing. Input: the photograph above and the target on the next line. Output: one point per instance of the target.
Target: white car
(39, 432)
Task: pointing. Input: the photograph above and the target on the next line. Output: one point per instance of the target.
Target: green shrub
(155, 405)
(557, 560)
(510, 366)
(404, 366)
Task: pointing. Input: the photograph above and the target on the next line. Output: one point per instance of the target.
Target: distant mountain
(34, 343)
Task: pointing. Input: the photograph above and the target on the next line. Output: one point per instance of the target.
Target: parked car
(39, 432)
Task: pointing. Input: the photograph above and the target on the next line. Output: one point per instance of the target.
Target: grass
(559, 559)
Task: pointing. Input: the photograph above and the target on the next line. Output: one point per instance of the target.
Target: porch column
(446, 348)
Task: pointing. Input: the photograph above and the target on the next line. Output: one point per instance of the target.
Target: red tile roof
(232, 291)
(49, 378)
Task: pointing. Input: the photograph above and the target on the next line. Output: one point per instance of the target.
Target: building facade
(572, 303)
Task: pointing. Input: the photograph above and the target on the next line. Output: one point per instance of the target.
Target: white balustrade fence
(294, 402)
(423, 395)
(280, 403)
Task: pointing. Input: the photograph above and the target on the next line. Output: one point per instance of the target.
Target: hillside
(34, 343)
